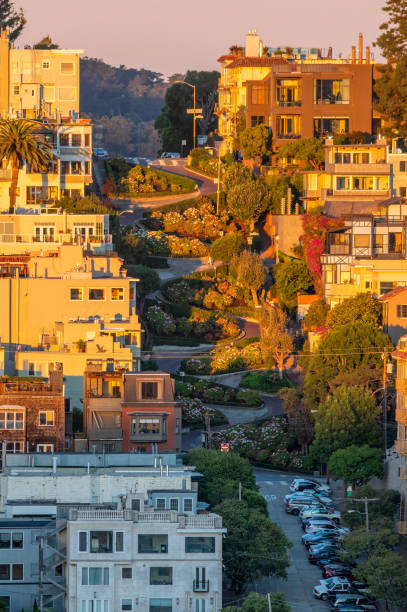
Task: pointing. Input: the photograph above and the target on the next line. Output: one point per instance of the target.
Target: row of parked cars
(323, 534)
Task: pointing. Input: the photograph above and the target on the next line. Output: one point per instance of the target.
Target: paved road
(301, 575)
(178, 166)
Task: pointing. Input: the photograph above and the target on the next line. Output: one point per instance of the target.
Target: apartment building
(130, 412)
(298, 93)
(400, 444)
(127, 533)
(48, 228)
(367, 254)
(32, 414)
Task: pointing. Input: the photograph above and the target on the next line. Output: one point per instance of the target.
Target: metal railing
(201, 586)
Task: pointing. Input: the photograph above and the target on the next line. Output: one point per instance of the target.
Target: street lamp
(194, 88)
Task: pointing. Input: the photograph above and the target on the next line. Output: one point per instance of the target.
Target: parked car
(317, 524)
(323, 561)
(328, 551)
(169, 155)
(352, 607)
(99, 152)
(318, 512)
(353, 598)
(337, 569)
(323, 499)
(332, 587)
(295, 505)
(303, 483)
(310, 539)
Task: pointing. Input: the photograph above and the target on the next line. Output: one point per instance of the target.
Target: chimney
(56, 377)
(367, 55)
(360, 48)
(353, 54)
(254, 45)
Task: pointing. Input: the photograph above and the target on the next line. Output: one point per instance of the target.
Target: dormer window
(149, 390)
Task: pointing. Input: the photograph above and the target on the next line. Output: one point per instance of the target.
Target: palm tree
(21, 141)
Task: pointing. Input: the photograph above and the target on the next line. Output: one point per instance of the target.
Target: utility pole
(218, 189)
(240, 491)
(365, 500)
(269, 601)
(208, 429)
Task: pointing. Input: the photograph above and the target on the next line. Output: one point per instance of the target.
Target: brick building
(32, 414)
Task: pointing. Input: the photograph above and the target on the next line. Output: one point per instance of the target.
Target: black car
(325, 553)
(343, 570)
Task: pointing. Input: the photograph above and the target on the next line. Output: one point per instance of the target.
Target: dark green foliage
(149, 365)
(203, 161)
(269, 381)
(356, 464)
(255, 142)
(385, 508)
(180, 309)
(254, 545)
(88, 205)
(316, 315)
(149, 279)
(46, 43)
(353, 138)
(225, 247)
(309, 150)
(12, 18)
(133, 249)
(255, 602)
(292, 277)
(156, 262)
(363, 307)
(386, 574)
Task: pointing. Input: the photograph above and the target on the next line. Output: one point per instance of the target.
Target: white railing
(166, 516)
(99, 515)
(203, 521)
(197, 521)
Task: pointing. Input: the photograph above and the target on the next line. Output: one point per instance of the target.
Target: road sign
(198, 116)
(191, 111)
(184, 143)
(349, 491)
(224, 447)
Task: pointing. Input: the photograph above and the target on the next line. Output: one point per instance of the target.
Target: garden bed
(194, 411)
(268, 381)
(216, 393)
(224, 360)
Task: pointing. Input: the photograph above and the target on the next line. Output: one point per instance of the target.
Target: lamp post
(194, 88)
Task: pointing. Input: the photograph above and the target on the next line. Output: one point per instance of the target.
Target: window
(101, 541)
(260, 94)
(403, 166)
(13, 570)
(76, 140)
(200, 605)
(402, 192)
(67, 67)
(46, 65)
(95, 605)
(199, 545)
(382, 183)
(4, 571)
(288, 92)
(256, 120)
(5, 540)
(47, 418)
(11, 420)
(288, 126)
(127, 573)
(119, 543)
(127, 604)
(67, 94)
(17, 540)
(49, 93)
(5, 603)
(117, 294)
(83, 541)
(187, 504)
(363, 183)
(16, 90)
(361, 240)
(64, 142)
(342, 182)
(160, 575)
(95, 576)
(174, 503)
(38, 195)
(87, 167)
(386, 286)
(330, 125)
(96, 294)
(14, 447)
(331, 91)
(160, 503)
(153, 543)
(76, 167)
(149, 390)
(87, 140)
(146, 426)
(402, 311)
(45, 448)
(160, 605)
(76, 293)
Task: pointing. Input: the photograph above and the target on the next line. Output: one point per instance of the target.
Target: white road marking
(269, 482)
(270, 497)
(283, 482)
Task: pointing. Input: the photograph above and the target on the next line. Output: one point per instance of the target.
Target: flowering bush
(193, 412)
(196, 366)
(217, 394)
(187, 247)
(161, 322)
(313, 241)
(225, 359)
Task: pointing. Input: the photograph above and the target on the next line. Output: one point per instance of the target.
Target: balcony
(201, 586)
(105, 433)
(400, 446)
(380, 168)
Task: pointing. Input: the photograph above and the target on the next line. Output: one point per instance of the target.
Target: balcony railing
(25, 387)
(204, 521)
(373, 168)
(400, 446)
(201, 586)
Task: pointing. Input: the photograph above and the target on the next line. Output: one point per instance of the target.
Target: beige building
(400, 445)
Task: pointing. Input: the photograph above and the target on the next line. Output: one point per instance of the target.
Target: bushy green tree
(347, 417)
(292, 277)
(235, 175)
(255, 142)
(386, 574)
(255, 602)
(309, 150)
(12, 18)
(247, 200)
(349, 354)
(275, 340)
(149, 278)
(226, 247)
(249, 271)
(384, 509)
(356, 464)
(316, 315)
(362, 307)
(390, 88)
(46, 43)
(254, 545)
(379, 539)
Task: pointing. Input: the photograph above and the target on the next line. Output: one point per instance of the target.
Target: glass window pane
(84, 576)
(4, 571)
(119, 541)
(5, 540)
(199, 545)
(18, 539)
(17, 571)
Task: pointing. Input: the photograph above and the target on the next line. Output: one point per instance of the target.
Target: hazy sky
(173, 35)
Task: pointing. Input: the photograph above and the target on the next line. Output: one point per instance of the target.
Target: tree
(316, 315)
(254, 545)
(356, 464)
(21, 142)
(248, 200)
(249, 271)
(386, 575)
(149, 278)
(255, 142)
(347, 417)
(390, 88)
(235, 175)
(275, 340)
(348, 354)
(309, 150)
(362, 307)
(226, 247)
(277, 187)
(379, 539)
(46, 43)
(292, 277)
(380, 511)
(255, 602)
(300, 423)
(11, 18)
(118, 134)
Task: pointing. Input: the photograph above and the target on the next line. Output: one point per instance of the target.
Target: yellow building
(400, 445)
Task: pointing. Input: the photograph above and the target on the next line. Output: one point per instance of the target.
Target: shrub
(180, 309)
(87, 205)
(149, 365)
(149, 279)
(249, 397)
(202, 160)
(161, 322)
(225, 247)
(141, 179)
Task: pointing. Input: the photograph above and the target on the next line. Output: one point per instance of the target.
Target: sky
(170, 36)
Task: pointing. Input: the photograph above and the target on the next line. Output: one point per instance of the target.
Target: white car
(322, 513)
(331, 587)
(312, 526)
(305, 483)
(325, 501)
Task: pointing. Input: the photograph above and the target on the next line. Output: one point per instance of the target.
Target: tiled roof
(391, 294)
(224, 58)
(257, 62)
